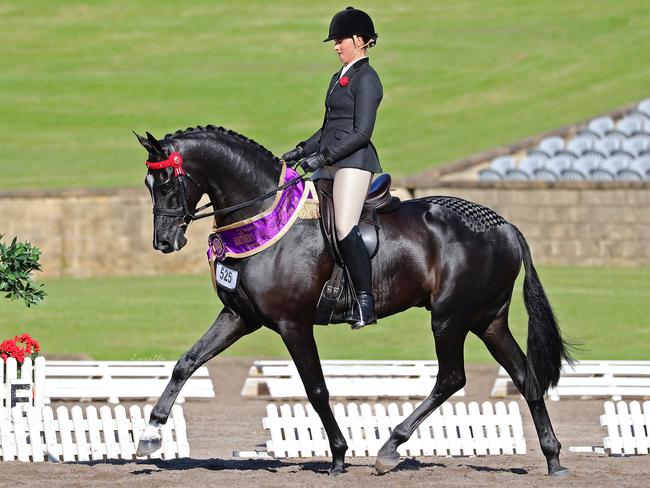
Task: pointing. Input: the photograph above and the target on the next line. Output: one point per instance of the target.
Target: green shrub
(17, 262)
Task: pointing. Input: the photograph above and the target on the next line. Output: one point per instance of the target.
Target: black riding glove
(313, 162)
(294, 155)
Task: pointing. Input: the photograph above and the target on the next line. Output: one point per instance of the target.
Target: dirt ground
(228, 423)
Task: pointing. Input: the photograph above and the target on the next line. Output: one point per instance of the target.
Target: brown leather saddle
(378, 201)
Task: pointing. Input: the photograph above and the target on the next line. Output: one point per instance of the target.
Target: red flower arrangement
(19, 347)
(344, 81)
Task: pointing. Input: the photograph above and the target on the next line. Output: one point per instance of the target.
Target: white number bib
(226, 277)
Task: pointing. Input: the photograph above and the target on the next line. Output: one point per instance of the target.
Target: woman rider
(341, 149)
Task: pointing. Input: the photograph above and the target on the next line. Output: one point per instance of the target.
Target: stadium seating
(498, 168)
(551, 145)
(638, 170)
(601, 125)
(605, 150)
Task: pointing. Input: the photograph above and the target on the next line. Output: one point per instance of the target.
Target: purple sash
(248, 237)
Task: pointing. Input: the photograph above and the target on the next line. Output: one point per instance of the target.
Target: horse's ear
(155, 144)
(144, 142)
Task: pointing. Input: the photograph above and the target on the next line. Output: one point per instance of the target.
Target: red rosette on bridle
(344, 80)
(175, 160)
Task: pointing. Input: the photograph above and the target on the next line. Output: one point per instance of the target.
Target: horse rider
(341, 149)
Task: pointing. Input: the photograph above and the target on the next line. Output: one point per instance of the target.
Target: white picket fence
(103, 380)
(628, 427)
(31, 373)
(296, 431)
(40, 436)
(346, 379)
(615, 379)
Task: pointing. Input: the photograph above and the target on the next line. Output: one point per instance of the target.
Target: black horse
(457, 259)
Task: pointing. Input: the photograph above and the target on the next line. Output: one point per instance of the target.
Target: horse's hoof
(334, 472)
(384, 464)
(150, 441)
(561, 471)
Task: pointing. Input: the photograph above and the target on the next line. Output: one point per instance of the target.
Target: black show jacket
(350, 112)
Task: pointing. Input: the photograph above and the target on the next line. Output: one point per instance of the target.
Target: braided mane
(224, 132)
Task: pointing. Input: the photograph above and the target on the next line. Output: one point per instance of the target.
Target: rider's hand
(313, 162)
(293, 155)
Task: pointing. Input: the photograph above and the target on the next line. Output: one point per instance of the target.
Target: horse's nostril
(164, 246)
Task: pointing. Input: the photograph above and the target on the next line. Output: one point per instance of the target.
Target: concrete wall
(97, 233)
(570, 223)
(102, 233)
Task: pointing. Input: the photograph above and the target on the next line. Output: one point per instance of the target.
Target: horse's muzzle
(166, 246)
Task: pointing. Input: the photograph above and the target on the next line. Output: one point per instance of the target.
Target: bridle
(175, 161)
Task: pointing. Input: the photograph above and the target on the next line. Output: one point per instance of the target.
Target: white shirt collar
(349, 65)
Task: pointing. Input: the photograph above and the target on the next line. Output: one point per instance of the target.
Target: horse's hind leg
(300, 342)
(506, 351)
(449, 338)
(226, 329)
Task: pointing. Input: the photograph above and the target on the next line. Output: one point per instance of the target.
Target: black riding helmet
(350, 22)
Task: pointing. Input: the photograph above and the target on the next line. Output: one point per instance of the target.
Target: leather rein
(175, 161)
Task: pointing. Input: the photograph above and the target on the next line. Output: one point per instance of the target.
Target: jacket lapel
(349, 73)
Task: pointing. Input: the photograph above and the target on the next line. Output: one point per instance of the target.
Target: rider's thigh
(350, 190)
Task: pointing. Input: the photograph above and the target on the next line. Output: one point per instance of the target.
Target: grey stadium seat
(630, 125)
(608, 169)
(638, 170)
(600, 174)
(551, 145)
(497, 169)
(581, 168)
(488, 174)
(609, 143)
(637, 145)
(644, 106)
(642, 116)
(581, 143)
(544, 174)
(553, 168)
(525, 170)
(616, 163)
(559, 163)
(601, 125)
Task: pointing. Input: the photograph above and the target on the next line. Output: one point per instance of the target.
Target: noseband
(175, 161)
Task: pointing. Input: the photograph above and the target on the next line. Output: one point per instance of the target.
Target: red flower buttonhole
(344, 81)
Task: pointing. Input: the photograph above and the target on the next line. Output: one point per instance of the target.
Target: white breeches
(350, 190)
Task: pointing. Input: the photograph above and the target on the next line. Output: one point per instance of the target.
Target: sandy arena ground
(227, 423)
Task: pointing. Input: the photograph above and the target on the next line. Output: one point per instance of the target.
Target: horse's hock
(86, 233)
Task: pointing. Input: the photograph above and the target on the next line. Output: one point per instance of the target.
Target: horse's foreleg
(226, 329)
(302, 347)
(451, 378)
(508, 354)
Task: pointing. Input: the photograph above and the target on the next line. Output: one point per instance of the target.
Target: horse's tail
(545, 349)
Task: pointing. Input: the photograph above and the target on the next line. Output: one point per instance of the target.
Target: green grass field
(458, 77)
(606, 309)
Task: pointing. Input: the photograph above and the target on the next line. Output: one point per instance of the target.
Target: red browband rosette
(175, 160)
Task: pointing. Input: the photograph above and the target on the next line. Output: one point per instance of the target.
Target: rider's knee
(342, 230)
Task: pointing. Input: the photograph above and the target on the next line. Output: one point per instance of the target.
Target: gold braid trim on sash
(311, 209)
(310, 213)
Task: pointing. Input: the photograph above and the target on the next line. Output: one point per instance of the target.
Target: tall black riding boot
(357, 261)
